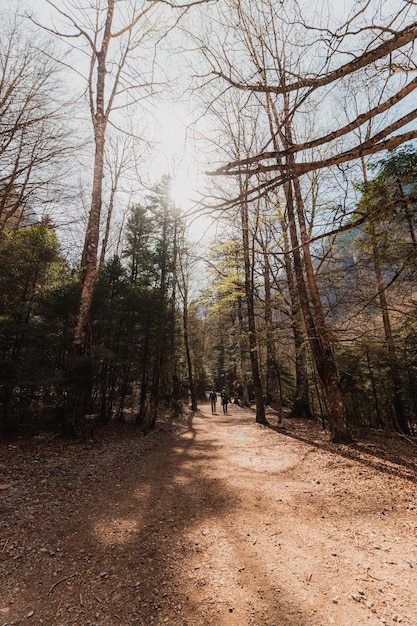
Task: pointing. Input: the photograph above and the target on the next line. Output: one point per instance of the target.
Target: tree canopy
(115, 305)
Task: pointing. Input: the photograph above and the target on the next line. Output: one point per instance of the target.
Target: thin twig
(373, 577)
(58, 582)
(413, 443)
(5, 544)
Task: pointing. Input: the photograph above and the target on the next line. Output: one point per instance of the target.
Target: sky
(162, 124)
(166, 137)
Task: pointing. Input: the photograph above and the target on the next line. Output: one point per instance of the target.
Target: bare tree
(35, 138)
(385, 44)
(259, 39)
(271, 41)
(241, 133)
(108, 35)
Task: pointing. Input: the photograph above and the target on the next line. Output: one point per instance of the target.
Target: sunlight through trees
(208, 193)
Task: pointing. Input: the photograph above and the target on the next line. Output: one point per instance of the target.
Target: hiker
(213, 401)
(225, 400)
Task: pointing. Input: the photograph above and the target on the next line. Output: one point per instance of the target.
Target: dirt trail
(220, 521)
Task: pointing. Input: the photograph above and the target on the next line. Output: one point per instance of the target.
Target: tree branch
(400, 39)
(344, 130)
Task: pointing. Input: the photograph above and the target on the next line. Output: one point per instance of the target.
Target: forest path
(220, 521)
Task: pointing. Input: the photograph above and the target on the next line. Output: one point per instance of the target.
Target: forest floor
(214, 520)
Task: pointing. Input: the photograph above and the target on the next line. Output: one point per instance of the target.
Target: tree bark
(273, 379)
(191, 385)
(317, 333)
(243, 354)
(301, 403)
(91, 242)
(253, 344)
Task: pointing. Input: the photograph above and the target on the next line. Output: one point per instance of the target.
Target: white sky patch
(175, 153)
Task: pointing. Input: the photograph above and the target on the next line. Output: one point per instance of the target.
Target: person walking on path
(213, 401)
(225, 400)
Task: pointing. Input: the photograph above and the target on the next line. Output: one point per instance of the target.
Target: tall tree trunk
(163, 335)
(191, 385)
(301, 403)
(273, 379)
(242, 354)
(156, 377)
(90, 251)
(141, 415)
(316, 330)
(173, 343)
(253, 344)
(374, 392)
(308, 294)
